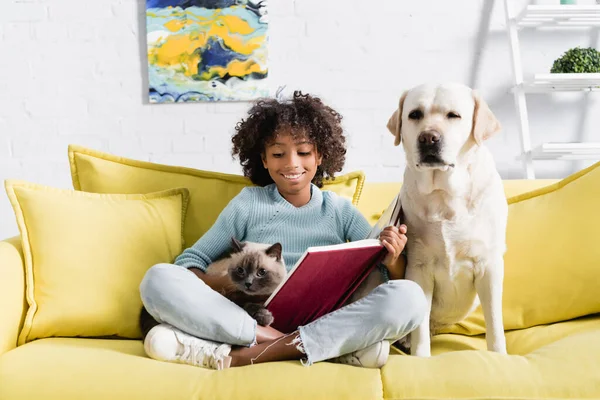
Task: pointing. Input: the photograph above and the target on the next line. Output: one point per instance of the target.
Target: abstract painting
(206, 50)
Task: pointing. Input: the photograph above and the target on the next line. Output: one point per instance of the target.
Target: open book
(326, 276)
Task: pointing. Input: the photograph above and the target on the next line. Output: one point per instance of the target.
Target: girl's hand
(394, 239)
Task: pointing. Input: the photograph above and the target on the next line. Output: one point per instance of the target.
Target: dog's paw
(262, 316)
(498, 345)
(422, 352)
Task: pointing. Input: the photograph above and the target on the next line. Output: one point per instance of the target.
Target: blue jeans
(174, 295)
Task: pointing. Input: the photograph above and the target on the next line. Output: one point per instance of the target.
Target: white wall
(75, 72)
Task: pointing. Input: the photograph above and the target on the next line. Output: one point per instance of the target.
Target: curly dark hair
(307, 116)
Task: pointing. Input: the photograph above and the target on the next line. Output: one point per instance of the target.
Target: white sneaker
(373, 356)
(166, 343)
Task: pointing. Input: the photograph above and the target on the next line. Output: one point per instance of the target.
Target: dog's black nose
(248, 284)
(429, 138)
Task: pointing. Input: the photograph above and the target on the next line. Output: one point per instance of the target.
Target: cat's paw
(403, 344)
(262, 316)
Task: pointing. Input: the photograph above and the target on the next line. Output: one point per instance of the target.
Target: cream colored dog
(454, 207)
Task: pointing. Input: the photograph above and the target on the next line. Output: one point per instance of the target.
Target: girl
(286, 148)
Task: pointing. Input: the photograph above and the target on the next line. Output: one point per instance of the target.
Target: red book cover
(321, 282)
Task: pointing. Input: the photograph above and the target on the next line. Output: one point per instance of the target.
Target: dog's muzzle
(430, 147)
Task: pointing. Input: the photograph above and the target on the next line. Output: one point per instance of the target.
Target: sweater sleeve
(356, 226)
(232, 222)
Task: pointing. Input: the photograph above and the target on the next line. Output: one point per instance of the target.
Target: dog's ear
(485, 123)
(395, 122)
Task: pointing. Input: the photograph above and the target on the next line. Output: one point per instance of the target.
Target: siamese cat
(253, 270)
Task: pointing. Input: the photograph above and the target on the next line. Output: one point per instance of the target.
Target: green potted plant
(577, 60)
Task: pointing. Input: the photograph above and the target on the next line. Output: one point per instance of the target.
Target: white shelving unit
(559, 16)
(545, 83)
(566, 151)
(552, 17)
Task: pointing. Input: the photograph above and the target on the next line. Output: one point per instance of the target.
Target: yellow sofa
(549, 361)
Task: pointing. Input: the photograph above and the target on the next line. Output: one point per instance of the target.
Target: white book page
(389, 217)
(347, 245)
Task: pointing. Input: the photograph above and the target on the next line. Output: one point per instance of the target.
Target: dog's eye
(261, 272)
(240, 271)
(415, 114)
(452, 115)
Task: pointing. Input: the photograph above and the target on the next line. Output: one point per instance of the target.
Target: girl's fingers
(394, 237)
(389, 238)
(386, 245)
(393, 231)
(390, 229)
(390, 233)
(401, 229)
(394, 244)
(391, 249)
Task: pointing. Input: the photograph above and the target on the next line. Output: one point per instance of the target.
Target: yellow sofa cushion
(552, 263)
(86, 254)
(96, 369)
(97, 172)
(559, 361)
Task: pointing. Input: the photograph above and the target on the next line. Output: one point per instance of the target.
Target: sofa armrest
(13, 304)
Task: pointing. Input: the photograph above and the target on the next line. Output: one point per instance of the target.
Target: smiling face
(292, 164)
(437, 124)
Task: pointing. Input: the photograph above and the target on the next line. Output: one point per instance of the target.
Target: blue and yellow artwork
(206, 50)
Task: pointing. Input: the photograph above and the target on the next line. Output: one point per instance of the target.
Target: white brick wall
(75, 72)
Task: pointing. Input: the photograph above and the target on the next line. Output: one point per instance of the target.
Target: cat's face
(256, 269)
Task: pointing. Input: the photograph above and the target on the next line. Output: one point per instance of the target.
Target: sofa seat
(545, 362)
(101, 369)
(553, 361)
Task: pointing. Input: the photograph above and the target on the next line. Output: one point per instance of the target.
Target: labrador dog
(454, 207)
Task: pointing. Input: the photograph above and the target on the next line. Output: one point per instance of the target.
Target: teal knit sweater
(262, 215)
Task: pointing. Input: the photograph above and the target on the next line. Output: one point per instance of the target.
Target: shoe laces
(350, 358)
(200, 352)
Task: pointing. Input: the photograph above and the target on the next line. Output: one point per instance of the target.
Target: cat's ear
(236, 245)
(274, 251)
